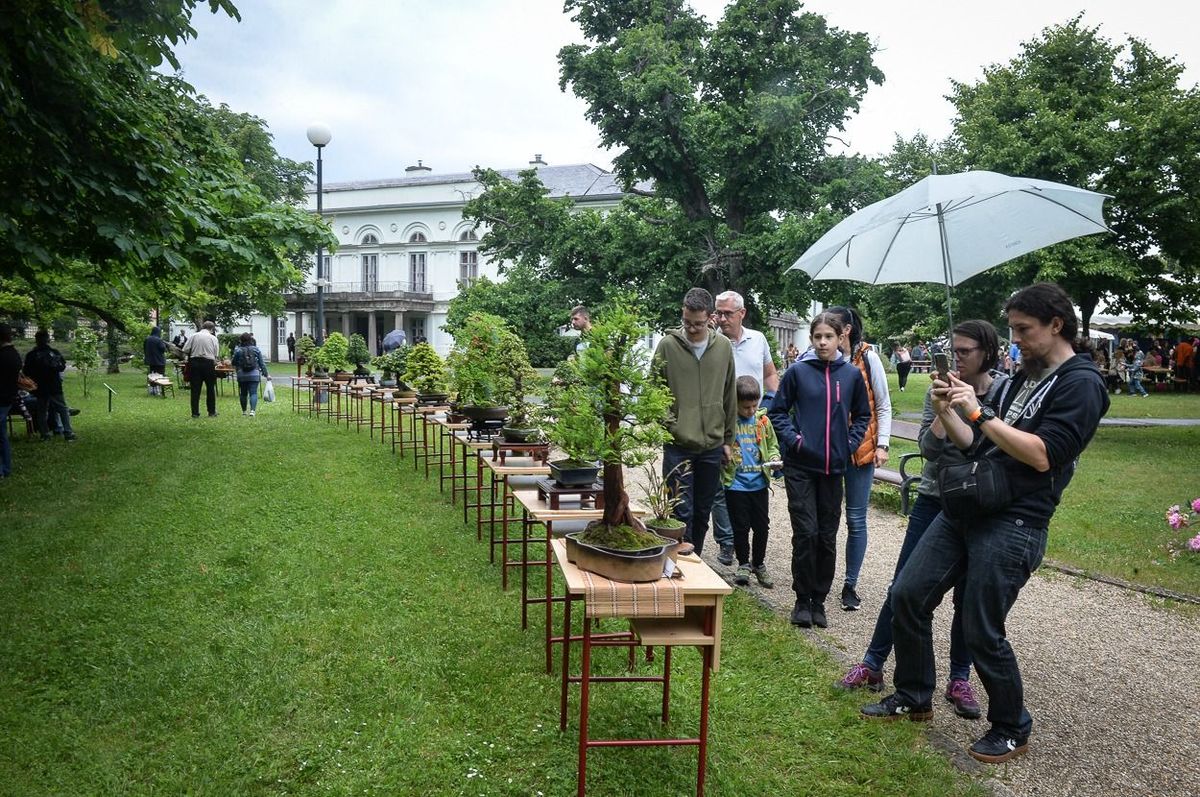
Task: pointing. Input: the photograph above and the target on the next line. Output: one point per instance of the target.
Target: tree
(729, 121)
(1076, 108)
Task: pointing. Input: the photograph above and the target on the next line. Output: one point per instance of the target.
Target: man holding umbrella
(394, 340)
(1046, 419)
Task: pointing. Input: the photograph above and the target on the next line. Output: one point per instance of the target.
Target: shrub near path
(274, 605)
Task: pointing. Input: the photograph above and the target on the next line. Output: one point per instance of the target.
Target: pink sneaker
(861, 676)
(960, 693)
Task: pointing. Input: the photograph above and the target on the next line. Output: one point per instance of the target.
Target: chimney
(420, 167)
(537, 160)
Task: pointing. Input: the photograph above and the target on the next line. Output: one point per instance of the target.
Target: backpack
(249, 361)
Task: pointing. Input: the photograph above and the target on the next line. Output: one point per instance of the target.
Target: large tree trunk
(1087, 307)
(114, 351)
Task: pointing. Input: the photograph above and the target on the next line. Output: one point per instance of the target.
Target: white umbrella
(948, 227)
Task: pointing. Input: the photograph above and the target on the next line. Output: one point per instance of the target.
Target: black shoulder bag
(973, 485)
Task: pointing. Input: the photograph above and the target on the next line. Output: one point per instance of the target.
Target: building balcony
(377, 293)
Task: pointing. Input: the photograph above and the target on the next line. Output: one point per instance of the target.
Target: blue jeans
(1136, 388)
(53, 414)
(5, 446)
(922, 513)
(858, 495)
(993, 557)
(722, 525)
(698, 488)
(248, 389)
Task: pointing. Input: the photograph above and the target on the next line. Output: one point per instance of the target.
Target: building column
(400, 325)
(299, 325)
(371, 332)
(346, 325)
(274, 333)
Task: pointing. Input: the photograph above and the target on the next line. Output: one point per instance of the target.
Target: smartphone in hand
(941, 364)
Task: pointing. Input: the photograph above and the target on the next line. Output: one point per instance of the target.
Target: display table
(698, 596)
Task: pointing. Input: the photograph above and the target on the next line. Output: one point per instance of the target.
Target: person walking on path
(976, 349)
(820, 415)
(291, 347)
(202, 351)
(1047, 418)
(756, 459)
(697, 365)
(10, 369)
(903, 364)
(1134, 372)
(45, 365)
(751, 357)
(251, 369)
(872, 452)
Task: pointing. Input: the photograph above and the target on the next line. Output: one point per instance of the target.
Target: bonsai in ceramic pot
(661, 497)
(358, 355)
(476, 374)
(609, 407)
(304, 352)
(392, 364)
(425, 373)
(331, 357)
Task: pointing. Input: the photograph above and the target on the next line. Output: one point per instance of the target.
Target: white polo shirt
(751, 354)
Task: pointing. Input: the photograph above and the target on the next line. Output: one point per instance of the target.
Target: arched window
(418, 238)
(370, 239)
(468, 236)
(416, 265)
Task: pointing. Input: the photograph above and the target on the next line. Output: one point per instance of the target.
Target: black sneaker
(818, 615)
(850, 601)
(742, 577)
(996, 747)
(725, 555)
(802, 614)
(891, 708)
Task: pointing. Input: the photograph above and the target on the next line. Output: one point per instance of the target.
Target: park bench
(900, 478)
(161, 382)
(921, 366)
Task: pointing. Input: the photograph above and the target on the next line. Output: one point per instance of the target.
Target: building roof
(578, 180)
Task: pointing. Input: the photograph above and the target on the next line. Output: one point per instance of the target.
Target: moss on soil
(620, 538)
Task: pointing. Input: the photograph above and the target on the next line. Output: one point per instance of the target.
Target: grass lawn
(277, 606)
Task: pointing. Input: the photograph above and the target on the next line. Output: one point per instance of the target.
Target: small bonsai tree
(609, 407)
(358, 354)
(332, 355)
(304, 349)
(479, 364)
(425, 372)
(393, 362)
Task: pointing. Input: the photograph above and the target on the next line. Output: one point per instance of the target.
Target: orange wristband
(974, 416)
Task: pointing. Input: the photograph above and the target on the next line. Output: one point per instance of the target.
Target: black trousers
(203, 372)
(815, 509)
(902, 369)
(748, 510)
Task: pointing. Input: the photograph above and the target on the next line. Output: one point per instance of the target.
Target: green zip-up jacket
(704, 414)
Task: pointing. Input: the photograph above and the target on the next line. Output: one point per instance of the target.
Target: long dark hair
(852, 321)
(831, 320)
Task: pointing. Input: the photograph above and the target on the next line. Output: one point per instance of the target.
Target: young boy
(745, 477)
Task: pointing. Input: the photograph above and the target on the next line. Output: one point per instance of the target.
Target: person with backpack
(45, 365)
(248, 360)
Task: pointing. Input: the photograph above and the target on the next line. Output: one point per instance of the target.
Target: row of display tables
(506, 490)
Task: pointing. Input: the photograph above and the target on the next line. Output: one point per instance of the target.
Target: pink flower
(1194, 543)
(1196, 505)
(1175, 520)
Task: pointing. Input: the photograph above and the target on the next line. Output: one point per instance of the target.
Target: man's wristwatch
(882, 448)
(981, 414)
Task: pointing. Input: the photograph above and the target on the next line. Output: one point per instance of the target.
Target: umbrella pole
(946, 272)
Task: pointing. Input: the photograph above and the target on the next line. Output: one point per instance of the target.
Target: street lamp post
(319, 136)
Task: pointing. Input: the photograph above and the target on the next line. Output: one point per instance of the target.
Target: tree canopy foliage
(124, 190)
(729, 120)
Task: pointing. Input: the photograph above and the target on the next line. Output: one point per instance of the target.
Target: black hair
(851, 320)
(41, 336)
(698, 299)
(985, 335)
(831, 320)
(246, 339)
(6, 333)
(1045, 301)
(748, 389)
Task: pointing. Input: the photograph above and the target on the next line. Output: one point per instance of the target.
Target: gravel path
(1109, 673)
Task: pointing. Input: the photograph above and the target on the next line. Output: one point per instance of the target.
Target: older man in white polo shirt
(751, 357)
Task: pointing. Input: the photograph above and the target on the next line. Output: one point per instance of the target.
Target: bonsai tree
(609, 407)
(392, 363)
(358, 354)
(424, 371)
(332, 355)
(304, 351)
(476, 372)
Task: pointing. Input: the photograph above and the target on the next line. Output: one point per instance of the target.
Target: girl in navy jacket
(820, 414)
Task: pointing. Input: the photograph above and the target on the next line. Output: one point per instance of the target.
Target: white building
(404, 249)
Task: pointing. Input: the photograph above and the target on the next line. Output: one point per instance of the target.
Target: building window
(468, 268)
(418, 238)
(370, 273)
(416, 329)
(416, 272)
(281, 331)
(369, 240)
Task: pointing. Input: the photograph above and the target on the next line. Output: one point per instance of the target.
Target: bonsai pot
(667, 527)
(478, 413)
(432, 398)
(454, 416)
(387, 381)
(342, 376)
(573, 473)
(512, 435)
(319, 372)
(640, 565)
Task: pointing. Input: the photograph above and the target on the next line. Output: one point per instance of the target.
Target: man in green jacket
(697, 364)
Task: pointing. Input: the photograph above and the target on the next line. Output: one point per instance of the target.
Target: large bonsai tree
(608, 407)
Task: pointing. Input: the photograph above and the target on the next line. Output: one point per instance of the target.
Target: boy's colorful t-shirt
(749, 476)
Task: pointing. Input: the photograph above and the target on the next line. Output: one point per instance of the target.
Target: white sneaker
(243, 412)
(251, 413)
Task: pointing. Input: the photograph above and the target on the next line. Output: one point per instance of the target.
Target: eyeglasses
(965, 351)
(694, 324)
(726, 313)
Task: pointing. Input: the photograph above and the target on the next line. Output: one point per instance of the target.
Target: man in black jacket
(1046, 419)
(45, 365)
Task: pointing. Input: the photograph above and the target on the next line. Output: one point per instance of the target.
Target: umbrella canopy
(948, 227)
(394, 340)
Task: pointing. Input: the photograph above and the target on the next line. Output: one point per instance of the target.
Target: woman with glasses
(976, 348)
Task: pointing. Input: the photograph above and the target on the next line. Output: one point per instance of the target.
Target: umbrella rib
(888, 251)
(1042, 196)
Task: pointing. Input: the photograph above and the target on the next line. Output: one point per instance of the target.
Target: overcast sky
(456, 83)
